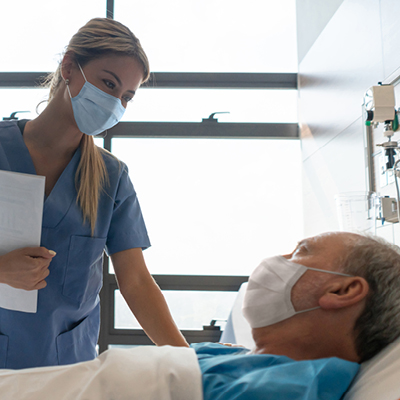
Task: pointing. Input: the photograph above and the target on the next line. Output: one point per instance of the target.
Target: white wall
(312, 17)
(357, 48)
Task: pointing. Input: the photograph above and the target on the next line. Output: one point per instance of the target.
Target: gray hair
(378, 262)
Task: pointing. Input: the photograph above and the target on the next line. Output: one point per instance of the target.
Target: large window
(34, 33)
(192, 105)
(215, 206)
(191, 310)
(214, 35)
(28, 102)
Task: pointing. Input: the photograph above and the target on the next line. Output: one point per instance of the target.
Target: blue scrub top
(230, 373)
(65, 328)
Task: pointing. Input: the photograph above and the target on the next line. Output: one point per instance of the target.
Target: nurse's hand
(26, 268)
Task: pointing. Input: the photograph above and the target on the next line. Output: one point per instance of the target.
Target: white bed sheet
(145, 373)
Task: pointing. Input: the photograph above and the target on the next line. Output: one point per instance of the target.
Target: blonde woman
(90, 206)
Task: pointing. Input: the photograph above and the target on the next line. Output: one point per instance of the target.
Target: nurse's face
(119, 76)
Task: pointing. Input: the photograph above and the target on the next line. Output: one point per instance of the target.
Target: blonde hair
(98, 38)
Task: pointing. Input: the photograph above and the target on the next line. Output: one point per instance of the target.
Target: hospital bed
(171, 373)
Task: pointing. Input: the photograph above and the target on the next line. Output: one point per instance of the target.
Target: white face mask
(267, 297)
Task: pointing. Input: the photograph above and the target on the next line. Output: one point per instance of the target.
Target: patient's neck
(302, 342)
(284, 343)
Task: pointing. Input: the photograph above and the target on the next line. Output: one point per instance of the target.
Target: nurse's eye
(128, 99)
(109, 84)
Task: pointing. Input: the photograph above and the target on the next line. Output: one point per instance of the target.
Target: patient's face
(322, 252)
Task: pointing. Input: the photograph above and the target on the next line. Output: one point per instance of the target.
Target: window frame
(209, 127)
(109, 335)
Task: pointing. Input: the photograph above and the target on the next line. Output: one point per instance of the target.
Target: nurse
(90, 206)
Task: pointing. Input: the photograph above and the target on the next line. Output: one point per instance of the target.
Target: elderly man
(331, 303)
(315, 315)
(328, 305)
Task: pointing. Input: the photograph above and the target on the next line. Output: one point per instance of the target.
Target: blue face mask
(94, 110)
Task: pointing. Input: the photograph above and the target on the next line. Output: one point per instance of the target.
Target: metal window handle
(211, 116)
(212, 326)
(13, 117)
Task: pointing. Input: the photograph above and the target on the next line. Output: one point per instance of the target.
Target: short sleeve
(127, 228)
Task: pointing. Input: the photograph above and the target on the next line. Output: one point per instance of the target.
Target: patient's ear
(344, 292)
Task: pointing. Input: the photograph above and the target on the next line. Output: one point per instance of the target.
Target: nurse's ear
(68, 65)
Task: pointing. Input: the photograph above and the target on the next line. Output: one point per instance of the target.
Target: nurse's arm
(145, 298)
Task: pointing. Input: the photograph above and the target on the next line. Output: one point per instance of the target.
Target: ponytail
(91, 176)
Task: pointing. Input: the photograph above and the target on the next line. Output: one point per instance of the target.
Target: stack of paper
(21, 211)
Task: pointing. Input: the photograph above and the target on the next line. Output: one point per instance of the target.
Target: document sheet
(21, 211)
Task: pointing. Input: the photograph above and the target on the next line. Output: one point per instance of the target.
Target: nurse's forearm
(145, 299)
(151, 310)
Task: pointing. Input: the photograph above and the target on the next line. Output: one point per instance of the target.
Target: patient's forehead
(325, 249)
(330, 239)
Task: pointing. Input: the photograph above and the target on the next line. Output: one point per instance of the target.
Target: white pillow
(241, 327)
(378, 378)
(237, 329)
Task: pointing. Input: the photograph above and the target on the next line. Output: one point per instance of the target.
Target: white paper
(21, 211)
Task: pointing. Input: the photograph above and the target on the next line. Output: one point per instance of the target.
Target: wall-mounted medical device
(379, 103)
(387, 210)
(379, 106)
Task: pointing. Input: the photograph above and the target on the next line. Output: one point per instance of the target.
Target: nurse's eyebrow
(118, 80)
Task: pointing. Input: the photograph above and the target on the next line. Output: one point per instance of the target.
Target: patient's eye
(301, 249)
